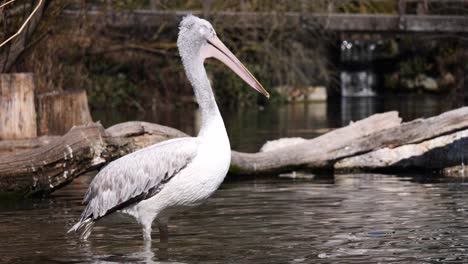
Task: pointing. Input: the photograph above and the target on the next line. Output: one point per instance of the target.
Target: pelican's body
(154, 182)
(193, 184)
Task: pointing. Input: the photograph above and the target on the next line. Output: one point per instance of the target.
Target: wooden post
(17, 111)
(58, 112)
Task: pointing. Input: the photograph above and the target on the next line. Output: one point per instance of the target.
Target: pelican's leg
(147, 232)
(163, 232)
(162, 221)
(146, 223)
(163, 246)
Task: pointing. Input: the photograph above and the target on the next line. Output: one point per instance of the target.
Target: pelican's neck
(211, 120)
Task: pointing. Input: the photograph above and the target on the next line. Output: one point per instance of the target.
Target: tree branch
(24, 24)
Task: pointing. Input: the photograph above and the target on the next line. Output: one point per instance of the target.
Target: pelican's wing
(137, 176)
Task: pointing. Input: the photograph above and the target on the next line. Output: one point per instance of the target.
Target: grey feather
(135, 177)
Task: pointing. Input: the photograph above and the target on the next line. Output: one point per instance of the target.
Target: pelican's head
(198, 40)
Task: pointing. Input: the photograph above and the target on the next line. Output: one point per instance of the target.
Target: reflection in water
(345, 219)
(357, 83)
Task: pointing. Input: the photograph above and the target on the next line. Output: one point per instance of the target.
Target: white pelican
(154, 182)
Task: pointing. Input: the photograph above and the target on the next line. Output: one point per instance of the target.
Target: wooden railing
(401, 22)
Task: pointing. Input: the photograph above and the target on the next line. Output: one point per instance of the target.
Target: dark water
(345, 219)
(327, 219)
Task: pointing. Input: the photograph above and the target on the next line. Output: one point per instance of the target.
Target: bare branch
(4, 4)
(24, 24)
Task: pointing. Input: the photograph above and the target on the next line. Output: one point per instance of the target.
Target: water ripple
(351, 219)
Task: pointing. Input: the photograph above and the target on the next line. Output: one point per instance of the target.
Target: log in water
(361, 145)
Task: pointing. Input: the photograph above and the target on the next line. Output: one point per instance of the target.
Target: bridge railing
(408, 16)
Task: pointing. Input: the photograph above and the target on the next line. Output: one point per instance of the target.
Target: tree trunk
(58, 112)
(17, 112)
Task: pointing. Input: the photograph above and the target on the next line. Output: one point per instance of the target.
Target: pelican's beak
(216, 49)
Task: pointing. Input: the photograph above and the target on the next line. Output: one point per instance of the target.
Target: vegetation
(140, 67)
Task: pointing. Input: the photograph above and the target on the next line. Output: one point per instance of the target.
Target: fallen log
(373, 133)
(316, 153)
(434, 154)
(411, 132)
(85, 148)
(17, 145)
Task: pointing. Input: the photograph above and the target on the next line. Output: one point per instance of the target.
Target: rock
(307, 94)
(447, 80)
(427, 83)
(408, 83)
(421, 81)
(316, 94)
(281, 143)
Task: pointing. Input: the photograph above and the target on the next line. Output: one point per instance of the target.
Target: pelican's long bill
(216, 49)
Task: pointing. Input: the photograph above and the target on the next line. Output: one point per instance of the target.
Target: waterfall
(357, 75)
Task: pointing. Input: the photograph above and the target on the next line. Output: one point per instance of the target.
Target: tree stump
(60, 111)
(17, 111)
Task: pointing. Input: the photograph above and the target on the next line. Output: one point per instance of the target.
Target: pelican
(155, 182)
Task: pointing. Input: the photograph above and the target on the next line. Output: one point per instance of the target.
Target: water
(344, 219)
(365, 218)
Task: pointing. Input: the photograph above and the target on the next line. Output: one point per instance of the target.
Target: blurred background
(326, 63)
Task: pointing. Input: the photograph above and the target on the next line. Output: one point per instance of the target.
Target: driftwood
(434, 143)
(60, 111)
(437, 153)
(17, 145)
(319, 152)
(18, 115)
(85, 148)
(361, 137)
